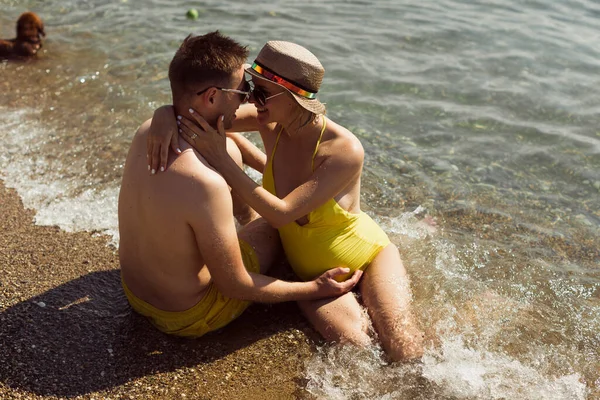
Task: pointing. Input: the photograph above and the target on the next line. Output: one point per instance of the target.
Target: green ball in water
(192, 13)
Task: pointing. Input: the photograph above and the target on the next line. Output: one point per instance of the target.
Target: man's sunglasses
(261, 97)
(244, 94)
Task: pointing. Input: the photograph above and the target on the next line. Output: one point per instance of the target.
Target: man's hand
(330, 287)
(163, 131)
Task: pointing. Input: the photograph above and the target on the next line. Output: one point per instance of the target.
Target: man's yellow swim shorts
(214, 311)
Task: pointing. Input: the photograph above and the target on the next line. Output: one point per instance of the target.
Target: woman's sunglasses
(261, 97)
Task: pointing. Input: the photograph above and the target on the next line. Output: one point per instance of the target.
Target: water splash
(409, 224)
(345, 372)
(465, 372)
(453, 371)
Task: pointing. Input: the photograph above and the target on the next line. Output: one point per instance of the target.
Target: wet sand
(66, 330)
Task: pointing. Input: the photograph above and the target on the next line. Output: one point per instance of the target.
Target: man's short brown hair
(206, 60)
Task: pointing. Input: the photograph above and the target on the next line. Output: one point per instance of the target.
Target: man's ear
(209, 95)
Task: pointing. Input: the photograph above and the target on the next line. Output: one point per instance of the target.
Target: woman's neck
(299, 126)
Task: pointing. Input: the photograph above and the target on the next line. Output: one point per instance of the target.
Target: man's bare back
(160, 260)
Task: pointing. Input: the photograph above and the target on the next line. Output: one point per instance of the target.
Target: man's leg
(385, 290)
(264, 239)
(242, 212)
(340, 319)
(255, 231)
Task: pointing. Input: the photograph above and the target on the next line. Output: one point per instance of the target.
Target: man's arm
(216, 237)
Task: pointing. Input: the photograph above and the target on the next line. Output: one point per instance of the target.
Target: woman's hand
(163, 131)
(210, 142)
(330, 287)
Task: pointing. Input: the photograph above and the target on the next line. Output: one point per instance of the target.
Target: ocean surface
(484, 114)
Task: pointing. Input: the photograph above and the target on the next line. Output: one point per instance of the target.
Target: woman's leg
(340, 319)
(386, 293)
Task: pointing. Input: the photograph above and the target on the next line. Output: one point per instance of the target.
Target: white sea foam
(451, 371)
(25, 168)
(465, 372)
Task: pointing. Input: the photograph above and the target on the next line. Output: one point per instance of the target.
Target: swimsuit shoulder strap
(276, 142)
(318, 142)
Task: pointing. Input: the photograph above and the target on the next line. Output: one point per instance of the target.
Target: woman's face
(272, 102)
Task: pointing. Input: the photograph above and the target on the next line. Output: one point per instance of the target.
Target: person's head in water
(207, 74)
(286, 79)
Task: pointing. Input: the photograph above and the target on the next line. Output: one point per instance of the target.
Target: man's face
(229, 102)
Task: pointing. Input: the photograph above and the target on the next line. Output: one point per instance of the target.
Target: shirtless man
(183, 265)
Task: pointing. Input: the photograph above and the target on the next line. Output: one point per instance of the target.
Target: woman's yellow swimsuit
(333, 237)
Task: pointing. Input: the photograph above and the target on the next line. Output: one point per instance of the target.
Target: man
(183, 264)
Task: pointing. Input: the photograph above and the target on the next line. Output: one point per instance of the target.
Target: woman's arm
(329, 178)
(164, 134)
(211, 220)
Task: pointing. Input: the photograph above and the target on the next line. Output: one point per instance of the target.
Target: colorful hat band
(282, 81)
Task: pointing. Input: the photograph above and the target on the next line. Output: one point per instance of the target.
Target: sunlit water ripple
(484, 114)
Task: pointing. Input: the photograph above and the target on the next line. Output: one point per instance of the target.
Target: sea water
(484, 114)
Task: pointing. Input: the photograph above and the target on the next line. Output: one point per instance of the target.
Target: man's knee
(259, 228)
(264, 239)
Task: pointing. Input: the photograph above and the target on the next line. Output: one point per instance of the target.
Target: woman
(311, 194)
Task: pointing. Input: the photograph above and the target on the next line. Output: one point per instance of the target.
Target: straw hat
(294, 68)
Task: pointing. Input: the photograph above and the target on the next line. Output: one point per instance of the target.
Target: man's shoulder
(144, 127)
(138, 142)
(192, 169)
(197, 189)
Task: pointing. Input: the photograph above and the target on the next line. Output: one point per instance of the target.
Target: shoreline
(66, 329)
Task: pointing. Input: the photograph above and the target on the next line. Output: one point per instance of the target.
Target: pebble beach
(67, 331)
